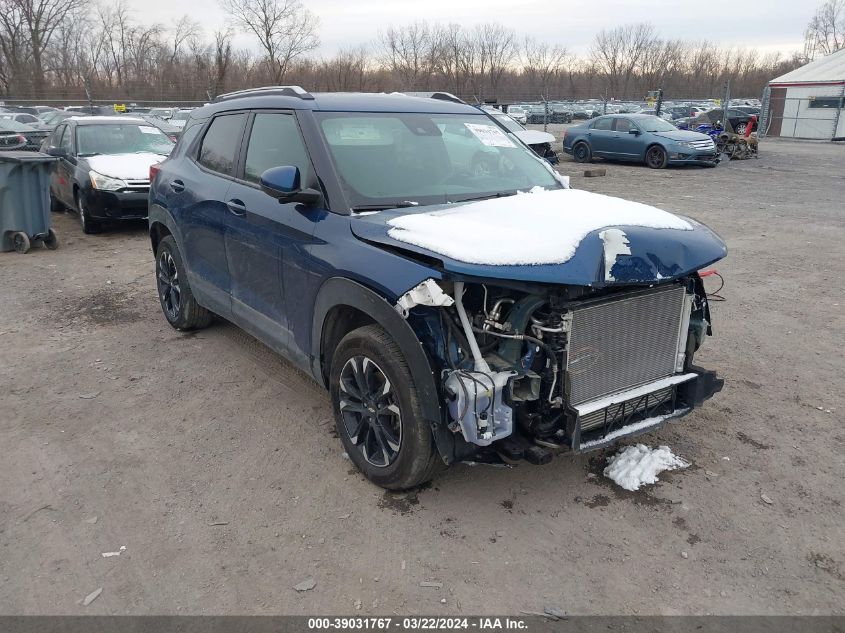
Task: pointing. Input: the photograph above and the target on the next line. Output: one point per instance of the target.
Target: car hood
(682, 135)
(125, 166)
(534, 137)
(561, 236)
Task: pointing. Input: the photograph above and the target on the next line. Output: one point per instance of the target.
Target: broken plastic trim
(427, 293)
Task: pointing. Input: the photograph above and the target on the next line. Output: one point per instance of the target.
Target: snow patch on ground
(636, 466)
(544, 227)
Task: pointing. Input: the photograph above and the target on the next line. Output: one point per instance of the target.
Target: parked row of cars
(675, 111)
(26, 128)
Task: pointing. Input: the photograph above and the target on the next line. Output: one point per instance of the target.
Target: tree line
(65, 50)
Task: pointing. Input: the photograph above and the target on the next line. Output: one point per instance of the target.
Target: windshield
(122, 138)
(402, 158)
(509, 123)
(655, 124)
(10, 125)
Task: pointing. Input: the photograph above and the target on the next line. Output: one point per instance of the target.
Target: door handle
(236, 207)
(177, 185)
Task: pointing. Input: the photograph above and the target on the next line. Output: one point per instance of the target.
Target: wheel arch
(161, 224)
(343, 305)
(654, 144)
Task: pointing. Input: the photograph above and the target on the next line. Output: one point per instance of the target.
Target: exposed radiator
(623, 342)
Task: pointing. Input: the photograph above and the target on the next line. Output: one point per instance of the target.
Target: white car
(518, 114)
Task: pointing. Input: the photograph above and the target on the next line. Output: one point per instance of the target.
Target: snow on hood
(545, 227)
(125, 166)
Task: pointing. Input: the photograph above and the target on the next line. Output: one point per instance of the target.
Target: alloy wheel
(168, 285)
(655, 157)
(370, 411)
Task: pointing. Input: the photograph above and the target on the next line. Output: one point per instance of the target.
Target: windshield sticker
(148, 129)
(360, 133)
(490, 135)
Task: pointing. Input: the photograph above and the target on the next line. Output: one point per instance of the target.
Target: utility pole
(545, 115)
(659, 101)
(726, 104)
(88, 94)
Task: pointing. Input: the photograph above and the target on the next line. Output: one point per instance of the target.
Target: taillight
(154, 169)
(21, 139)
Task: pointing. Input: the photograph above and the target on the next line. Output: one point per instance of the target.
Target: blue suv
(459, 301)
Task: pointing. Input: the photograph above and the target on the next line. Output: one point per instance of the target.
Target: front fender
(339, 291)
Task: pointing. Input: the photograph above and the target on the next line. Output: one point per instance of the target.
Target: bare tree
(618, 52)
(347, 71)
(497, 48)
(184, 29)
(410, 52)
(285, 29)
(541, 63)
(826, 30)
(14, 45)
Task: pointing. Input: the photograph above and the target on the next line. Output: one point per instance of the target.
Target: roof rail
(439, 95)
(286, 91)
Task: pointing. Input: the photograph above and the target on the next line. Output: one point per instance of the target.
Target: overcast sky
(768, 25)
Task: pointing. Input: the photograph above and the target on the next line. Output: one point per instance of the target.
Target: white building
(807, 102)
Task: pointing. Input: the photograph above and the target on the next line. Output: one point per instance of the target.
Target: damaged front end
(531, 369)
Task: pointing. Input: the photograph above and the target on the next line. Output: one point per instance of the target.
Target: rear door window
(220, 143)
(275, 141)
(624, 125)
(603, 124)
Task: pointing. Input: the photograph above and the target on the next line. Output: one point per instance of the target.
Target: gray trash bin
(25, 201)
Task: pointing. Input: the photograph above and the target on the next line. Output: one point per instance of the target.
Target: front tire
(656, 157)
(177, 301)
(582, 153)
(89, 226)
(377, 411)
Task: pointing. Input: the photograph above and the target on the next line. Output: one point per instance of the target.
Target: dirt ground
(215, 464)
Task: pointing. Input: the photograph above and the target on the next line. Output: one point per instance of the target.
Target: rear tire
(55, 205)
(582, 153)
(177, 301)
(377, 411)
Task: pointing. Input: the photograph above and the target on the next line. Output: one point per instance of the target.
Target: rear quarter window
(220, 143)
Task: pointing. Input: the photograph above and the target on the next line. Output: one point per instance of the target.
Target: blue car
(640, 138)
(457, 299)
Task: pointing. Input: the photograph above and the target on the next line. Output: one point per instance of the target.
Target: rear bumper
(117, 205)
(631, 414)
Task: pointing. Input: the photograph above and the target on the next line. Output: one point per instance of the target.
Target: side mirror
(634, 131)
(283, 183)
(58, 152)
